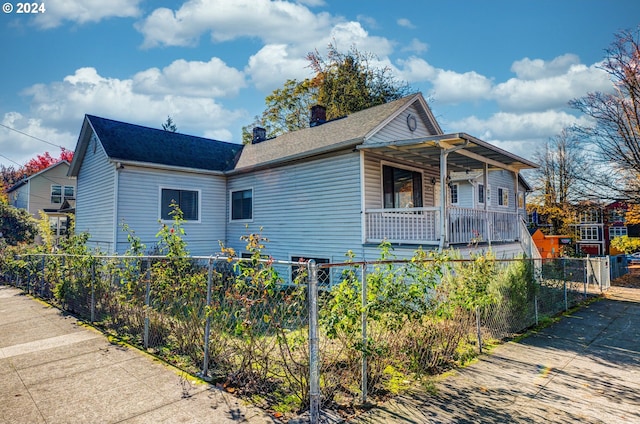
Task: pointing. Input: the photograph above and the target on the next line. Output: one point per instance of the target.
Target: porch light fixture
(433, 180)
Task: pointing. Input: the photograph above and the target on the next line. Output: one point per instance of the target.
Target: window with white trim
(617, 232)
(402, 187)
(481, 193)
(242, 205)
(591, 216)
(520, 200)
(60, 193)
(589, 233)
(503, 196)
(186, 200)
(453, 191)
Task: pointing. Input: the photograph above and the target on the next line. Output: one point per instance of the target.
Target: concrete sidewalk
(583, 369)
(54, 370)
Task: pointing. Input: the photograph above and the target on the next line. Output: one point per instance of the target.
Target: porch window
(402, 188)
(520, 200)
(454, 193)
(503, 196)
(481, 193)
(242, 205)
(187, 201)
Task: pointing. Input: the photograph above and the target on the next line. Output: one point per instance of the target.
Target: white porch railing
(408, 225)
(422, 225)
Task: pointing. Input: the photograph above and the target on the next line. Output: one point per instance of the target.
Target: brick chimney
(318, 115)
(259, 135)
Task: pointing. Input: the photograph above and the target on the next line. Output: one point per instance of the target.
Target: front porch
(423, 226)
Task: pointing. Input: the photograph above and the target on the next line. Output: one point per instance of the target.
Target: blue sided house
(384, 173)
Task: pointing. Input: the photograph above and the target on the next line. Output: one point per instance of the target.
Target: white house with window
(384, 173)
(50, 191)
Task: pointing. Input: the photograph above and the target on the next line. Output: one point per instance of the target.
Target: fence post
(566, 301)
(364, 380)
(535, 304)
(44, 265)
(478, 330)
(147, 302)
(207, 326)
(93, 291)
(314, 376)
(586, 276)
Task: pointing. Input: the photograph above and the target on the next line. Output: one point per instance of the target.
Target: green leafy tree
(16, 225)
(343, 82)
(626, 244)
(349, 82)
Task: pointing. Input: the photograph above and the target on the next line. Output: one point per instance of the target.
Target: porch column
(444, 218)
(485, 181)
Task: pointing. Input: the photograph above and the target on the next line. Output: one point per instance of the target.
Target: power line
(32, 136)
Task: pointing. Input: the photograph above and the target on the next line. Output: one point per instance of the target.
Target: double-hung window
(454, 190)
(402, 187)
(242, 205)
(481, 194)
(59, 193)
(503, 196)
(186, 200)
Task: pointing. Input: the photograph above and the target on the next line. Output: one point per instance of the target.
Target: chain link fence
(266, 330)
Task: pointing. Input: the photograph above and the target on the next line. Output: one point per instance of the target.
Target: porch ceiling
(473, 153)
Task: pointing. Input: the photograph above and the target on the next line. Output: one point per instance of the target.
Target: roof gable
(126, 142)
(41, 172)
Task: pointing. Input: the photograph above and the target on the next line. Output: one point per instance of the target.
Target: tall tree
(343, 83)
(561, 180)
(169, 125)
(349, 82)
(616, 133)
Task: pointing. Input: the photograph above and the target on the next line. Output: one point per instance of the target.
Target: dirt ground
(632, 279)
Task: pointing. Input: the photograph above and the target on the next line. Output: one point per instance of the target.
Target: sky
(500, 70)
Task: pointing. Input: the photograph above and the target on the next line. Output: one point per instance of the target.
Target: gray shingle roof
(351, 129)
(135, 143)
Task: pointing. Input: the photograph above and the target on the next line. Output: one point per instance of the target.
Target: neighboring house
(50, 191)
(589, 228)
(384, 173)
(616, 224)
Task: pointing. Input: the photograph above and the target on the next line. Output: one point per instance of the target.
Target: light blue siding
(95, 198)
(309, 209)
(506, 180)
(139, 207)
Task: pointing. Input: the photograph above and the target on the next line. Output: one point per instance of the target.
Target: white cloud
(404, 22)
(20, 148)
(272, 22)
(198, 79)
(85, 11)
(62, 104)
(513, 126)
(416, 46)
(533, 69)
(553, 88)
(272, 66)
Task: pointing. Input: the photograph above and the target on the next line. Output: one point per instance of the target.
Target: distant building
(50, 191)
